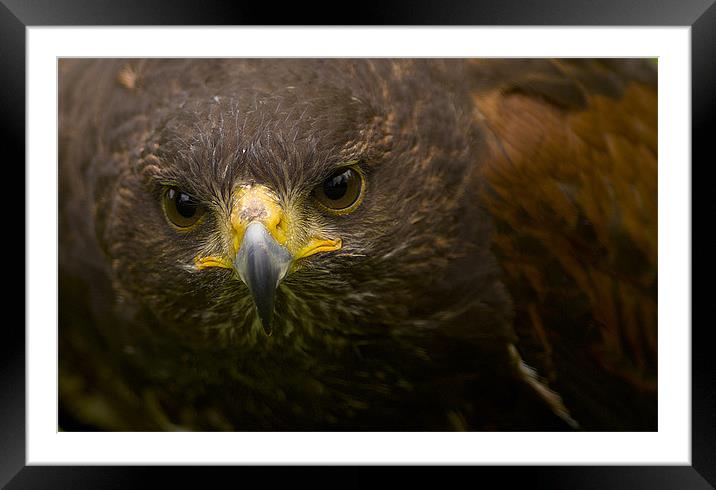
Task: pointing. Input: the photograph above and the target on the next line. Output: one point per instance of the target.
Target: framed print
(429, 238)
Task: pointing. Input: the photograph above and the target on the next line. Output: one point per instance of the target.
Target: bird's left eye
(342, 191)
(182, 210)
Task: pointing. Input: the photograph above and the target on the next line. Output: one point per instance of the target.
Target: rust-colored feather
(573, 190)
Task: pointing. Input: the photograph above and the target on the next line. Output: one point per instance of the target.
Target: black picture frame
(16, 15)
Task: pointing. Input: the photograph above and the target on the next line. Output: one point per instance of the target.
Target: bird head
(300, 196)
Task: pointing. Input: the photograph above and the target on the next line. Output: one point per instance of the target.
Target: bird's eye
(181, 209)
(342, 191)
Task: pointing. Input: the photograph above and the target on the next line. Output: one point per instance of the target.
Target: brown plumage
(575, 200)
(508, 213)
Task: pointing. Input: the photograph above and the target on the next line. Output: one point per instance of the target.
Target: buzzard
(357, 244)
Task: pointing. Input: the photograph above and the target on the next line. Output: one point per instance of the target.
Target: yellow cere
(258, 204)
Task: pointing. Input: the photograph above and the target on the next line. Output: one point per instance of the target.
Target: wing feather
(572, 182)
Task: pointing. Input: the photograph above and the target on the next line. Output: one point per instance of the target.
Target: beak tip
(266, 320)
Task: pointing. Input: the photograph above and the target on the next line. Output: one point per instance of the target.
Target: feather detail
(573, 191)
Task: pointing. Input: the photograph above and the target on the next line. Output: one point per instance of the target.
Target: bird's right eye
(182, 210)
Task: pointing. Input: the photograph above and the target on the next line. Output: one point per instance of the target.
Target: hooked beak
(262, 248)
(262, 263)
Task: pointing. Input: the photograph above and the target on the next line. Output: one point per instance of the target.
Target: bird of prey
(357, 244)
